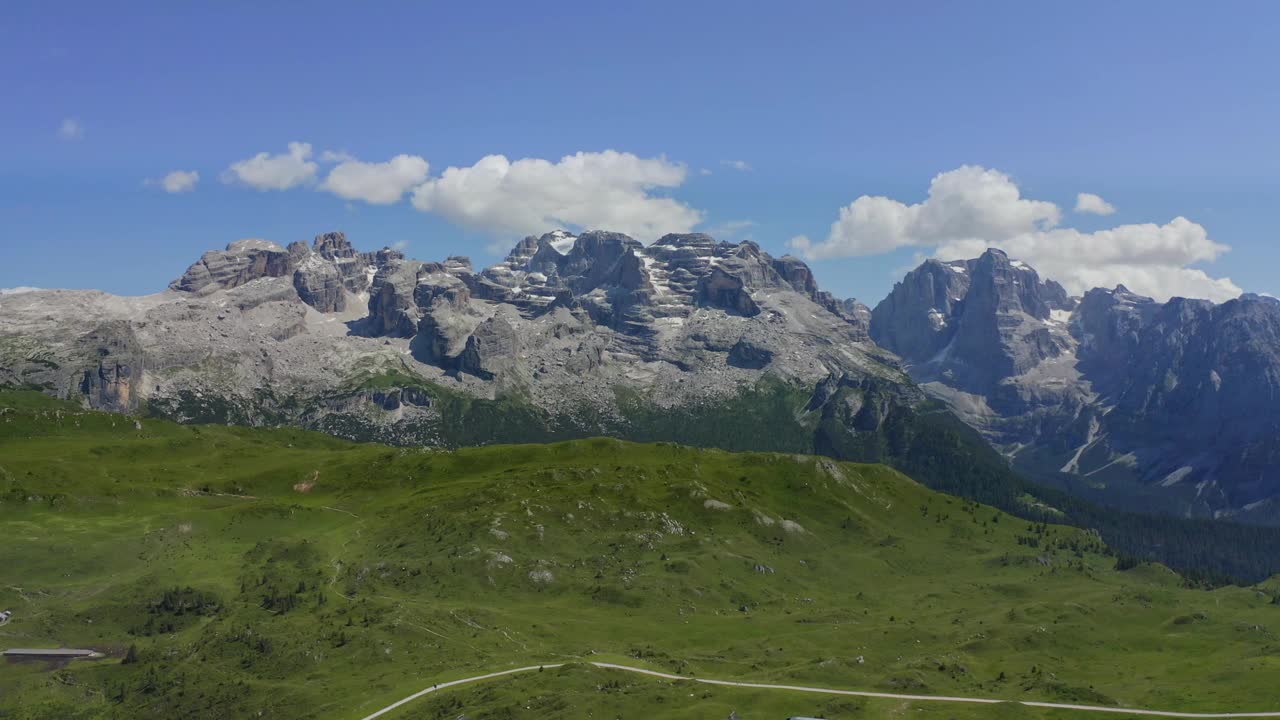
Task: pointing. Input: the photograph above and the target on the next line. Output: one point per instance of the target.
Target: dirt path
(831, 691)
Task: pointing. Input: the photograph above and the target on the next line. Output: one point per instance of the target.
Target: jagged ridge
(1112, 395)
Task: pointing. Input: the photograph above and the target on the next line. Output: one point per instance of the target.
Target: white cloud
(400, 245)
(801, 244)
(19, 290)
(606, 190)
(730, 229)
(739, 165)
(71, 129)
(971, 208)
(704, 172)
(336, 156)
(968, 202)
(178, 181)
(376, 183)
(275, 172)
(1093, 204)
(1149, 259)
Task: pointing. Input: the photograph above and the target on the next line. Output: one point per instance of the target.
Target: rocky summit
(1113, 395)
(563, 336)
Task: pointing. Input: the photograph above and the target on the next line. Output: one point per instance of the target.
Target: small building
(5, 615)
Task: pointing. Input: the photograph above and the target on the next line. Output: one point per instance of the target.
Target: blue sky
(1162, 109)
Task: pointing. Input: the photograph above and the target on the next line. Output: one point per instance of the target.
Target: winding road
(826, 691)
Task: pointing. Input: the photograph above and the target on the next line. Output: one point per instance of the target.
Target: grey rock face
(576, 328)
(323, 274)
(919, 317)
(112, 383)
(720, 289)
(443, 302)
(796, 274)
(242, 262)
(352, 267)
(1109, 325)
(973, 322)
(392, 310)
(850, 309)
(320, 284)
(493, 345)
(332, 268)
(747, 354)
(1198, 393)
(578, 284)
(1128, 395)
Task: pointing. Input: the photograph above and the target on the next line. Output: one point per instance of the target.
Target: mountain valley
(247, 572)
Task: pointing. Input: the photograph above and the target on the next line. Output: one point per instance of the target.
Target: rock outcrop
(242, 262)
(320, 284)
(323, 274)
(352, 267)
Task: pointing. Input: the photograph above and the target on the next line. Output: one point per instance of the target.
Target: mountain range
(1112, 396)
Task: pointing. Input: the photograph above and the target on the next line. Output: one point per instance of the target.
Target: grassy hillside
(856, 421)
(859, 421)
(281, 573)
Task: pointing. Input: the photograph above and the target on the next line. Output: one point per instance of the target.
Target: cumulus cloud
(1093, 204)
(71, 129)
(178, 181)
(969, 202)
(376, 183)
(972, 208)
(265, 171)
(605, 190)
(1148, 258)
(739, 165)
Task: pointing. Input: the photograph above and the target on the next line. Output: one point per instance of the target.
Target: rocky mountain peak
(333, 246)
(608, 279)
(524, 250)
(241, 262)
(379, 258)
(1109, 325)
(972, 323)
(461, 320)
(1013, 286)
(919, 316)
(690, 240)
(1181, 396)
(796, 273)
(323, 274)
(253, 245)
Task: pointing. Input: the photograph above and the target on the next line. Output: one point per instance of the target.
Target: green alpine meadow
(222, 572)
(850, 360)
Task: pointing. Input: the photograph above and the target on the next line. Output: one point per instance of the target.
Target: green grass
(283, 573)
(579, 691)
(858, 421)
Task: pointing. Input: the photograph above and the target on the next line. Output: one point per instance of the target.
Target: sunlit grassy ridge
(280, 573)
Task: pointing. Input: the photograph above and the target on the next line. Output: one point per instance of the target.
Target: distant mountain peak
(1075, 385)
